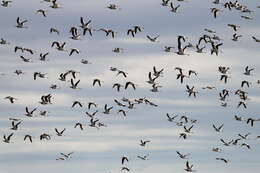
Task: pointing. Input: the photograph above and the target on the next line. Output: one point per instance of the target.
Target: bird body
(29, 113)
(15, 125)
(189, 167)
(130, 83)
(74, 85)
(11, 99)
(143, 143)
(182, 156)
(7, 138)
(107, 109)
(98, 81)
(43, 12)
(59, 46)
(217, 129)
(80, 126)
(59, 133)
(28, 137)
(174, 9)
(222, 159)
(124, 159)
(20, 24)
(152, 39)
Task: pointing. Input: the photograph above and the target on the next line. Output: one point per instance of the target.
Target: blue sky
(100, 150)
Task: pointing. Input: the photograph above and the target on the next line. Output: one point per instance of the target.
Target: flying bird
(98, 81)
(222, 159)
(152, 39)
(7, 138)
(29, 113)
(174, 9)
(11, 99)
(79, 125)
(182, 156)
(28, 137)
(189, 167)
(59, 133)
(74, 85)
(143, 143)
(15, 125)
(20, 24)
(124, 159)
(43, 12)
(130, 83)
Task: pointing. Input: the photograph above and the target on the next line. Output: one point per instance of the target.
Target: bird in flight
(217, 129)
(182, 156)
(11, 99)
(152, 39)
(124, 159)
(143, 143)
(59, 133)
(189, 167)
(20, 24)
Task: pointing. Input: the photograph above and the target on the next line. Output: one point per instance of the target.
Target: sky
(100, 150)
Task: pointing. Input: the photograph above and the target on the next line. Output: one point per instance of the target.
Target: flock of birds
(209, 42)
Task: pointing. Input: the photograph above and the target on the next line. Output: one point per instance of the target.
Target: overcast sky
(100, 150)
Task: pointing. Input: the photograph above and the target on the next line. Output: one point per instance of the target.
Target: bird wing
(77, 83)
(82, 21)
(18, 20)
(56, 130)
(62, 130)
(9, 137)
(149, 37)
